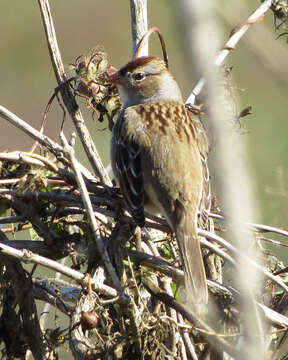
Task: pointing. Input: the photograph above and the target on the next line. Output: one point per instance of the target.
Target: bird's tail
(196, 293)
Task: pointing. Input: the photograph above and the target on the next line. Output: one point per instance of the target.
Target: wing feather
(203, 146)
(129, 171)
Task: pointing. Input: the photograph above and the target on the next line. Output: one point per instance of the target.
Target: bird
(158, 157)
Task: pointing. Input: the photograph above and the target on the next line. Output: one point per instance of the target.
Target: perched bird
(158, 159)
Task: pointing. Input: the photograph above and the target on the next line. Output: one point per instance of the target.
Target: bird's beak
(114, 76)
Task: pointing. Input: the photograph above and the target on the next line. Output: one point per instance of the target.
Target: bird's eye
(138, 76)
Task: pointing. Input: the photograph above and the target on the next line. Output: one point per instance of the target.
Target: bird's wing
(203, 146)
(129, 171)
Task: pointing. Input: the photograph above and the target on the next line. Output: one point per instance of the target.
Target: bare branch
(236, 190)
(246, 259)
(95, 229)
(44, 140)
(190, 316)
(43, 291)
(139, 25)
(273, 56)
(67, 95)
(29, 257)
(236, 35)
(259, 227)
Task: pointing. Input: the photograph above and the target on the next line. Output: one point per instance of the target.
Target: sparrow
(158, 156)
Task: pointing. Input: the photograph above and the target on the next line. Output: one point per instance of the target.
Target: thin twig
(44, 140)
(94, 226)
(68, 97)
(259, 227)
(230, 44)
(273, 242)
(249, 261)
(187, 340)
(190, 316)
(45, 292)
(29, 257)
(21, 156)
(273, 56)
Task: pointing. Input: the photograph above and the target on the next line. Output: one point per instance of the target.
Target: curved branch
(234, 38)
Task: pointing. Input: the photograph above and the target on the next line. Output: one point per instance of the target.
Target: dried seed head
(92, 83)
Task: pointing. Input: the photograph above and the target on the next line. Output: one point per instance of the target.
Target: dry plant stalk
(128, 307)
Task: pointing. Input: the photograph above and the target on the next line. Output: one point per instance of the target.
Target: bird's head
(145, 79)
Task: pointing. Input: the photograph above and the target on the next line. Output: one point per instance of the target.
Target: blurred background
(259, 77)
